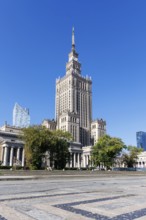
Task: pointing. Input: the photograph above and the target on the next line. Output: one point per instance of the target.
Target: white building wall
(141, 161)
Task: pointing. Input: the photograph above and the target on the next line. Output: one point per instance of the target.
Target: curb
(10, 178)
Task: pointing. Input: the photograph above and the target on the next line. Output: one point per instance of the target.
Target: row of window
(72, 119)
(98, 126)
(73, 130)
(63, 119)
(63, 128)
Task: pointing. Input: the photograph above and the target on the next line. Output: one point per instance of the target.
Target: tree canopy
(59, 149)
(130, 158)
(106, 150)
(39, 140)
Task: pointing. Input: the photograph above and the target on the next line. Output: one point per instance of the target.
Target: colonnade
(75, 160)
(78, 160)
(141, 164)
(86, 160)
(13, 155)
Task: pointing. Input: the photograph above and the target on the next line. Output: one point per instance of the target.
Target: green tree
(39, 140)
(59, 151)
(36, 141)
(130, 158)
(106, 150)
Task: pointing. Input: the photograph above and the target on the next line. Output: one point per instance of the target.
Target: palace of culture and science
(74, 100)
(73, 113)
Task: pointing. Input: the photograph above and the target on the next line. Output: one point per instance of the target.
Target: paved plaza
(74, 197)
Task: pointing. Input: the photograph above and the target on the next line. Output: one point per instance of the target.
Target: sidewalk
(6, 175)
(7, 178)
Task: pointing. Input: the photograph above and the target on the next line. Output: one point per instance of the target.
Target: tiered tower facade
(74, 100)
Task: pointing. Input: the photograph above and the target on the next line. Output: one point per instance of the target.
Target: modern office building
(141, 139)
(21, 117)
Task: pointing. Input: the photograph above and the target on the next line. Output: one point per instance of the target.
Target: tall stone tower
(74, 100)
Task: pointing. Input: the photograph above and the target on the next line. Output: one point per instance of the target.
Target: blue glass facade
(21, 117)
(141, 139)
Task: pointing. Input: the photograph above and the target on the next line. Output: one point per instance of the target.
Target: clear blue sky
(110, 36)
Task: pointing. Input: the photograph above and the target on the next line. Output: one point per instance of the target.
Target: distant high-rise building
(141, 139)
(21, 117)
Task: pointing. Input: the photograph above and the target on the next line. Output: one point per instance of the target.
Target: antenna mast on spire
(73, 39)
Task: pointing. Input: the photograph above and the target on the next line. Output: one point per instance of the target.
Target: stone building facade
(98, 129)
(50, 124)
(74, 111)
(74, 100)
(11, 147)
(141, 161)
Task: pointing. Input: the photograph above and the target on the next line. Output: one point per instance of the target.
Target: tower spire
(73, 39)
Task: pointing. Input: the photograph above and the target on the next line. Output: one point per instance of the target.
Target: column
(70, 160)
(18, 154)
(88, 160)
(81, 160)
(5, 156)
(23, 157)
(11, 156)
(84, 161)
(74, 159)
(78, 160)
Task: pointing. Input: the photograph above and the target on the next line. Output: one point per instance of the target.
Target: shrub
(5, 167)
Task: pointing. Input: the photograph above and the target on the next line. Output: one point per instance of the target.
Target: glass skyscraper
(141, 139)
(21, 117)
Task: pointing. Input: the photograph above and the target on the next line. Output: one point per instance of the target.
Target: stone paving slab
(115, 198)
(12, 214)
(2, 218)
